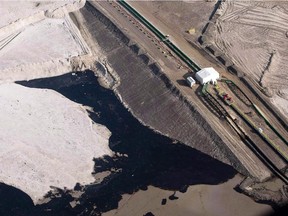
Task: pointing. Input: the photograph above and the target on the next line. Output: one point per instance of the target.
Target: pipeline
(259, 112)
(262, 135)
(190, 63)
(246, 139)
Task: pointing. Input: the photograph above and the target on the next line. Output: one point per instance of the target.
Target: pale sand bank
(46, 140)
(199, 200)
(38, 39)
(17, 10)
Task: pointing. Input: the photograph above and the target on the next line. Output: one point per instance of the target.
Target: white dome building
(207, 75)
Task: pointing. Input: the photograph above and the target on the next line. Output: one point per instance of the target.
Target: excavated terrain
(253, 35)
(139, 83)
(149, 95)
(205, 27)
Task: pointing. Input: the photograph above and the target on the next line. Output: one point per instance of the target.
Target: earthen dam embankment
(147, 92)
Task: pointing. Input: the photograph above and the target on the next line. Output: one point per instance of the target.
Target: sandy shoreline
(216, 200)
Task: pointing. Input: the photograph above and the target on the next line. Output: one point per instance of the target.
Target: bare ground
(39, 40)
(253, 34)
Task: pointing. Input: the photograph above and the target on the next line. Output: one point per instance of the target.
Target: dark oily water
(143, 157)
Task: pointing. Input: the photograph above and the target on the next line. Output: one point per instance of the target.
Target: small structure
(190, 81)
(207, 75)
(191, 31)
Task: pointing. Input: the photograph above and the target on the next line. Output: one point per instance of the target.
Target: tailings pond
(142, 157)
